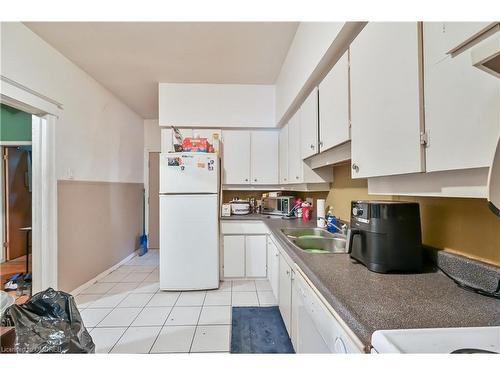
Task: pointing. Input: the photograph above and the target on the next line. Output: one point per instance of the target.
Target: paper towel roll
(320, 213)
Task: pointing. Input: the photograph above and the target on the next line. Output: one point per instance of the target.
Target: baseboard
(103, 274)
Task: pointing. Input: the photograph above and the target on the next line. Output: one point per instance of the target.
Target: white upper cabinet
(236, 156)
(264, 157)
(250, 157)
(334, 106)
(283, 155)
(310, 44)
(385, 100)
(462, 103)
(309, 125)
(295, 163)
(293, 169)
(457, 33)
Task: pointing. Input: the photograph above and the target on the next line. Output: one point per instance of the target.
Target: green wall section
(15, 125)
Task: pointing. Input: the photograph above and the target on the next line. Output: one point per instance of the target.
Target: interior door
(154, 200)
(17, 201)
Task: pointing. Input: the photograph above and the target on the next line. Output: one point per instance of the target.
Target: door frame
(147, 190)
(45, 113)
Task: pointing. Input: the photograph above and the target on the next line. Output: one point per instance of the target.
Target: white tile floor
(125, 312)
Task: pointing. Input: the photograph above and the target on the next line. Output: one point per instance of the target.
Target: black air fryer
(385, 236)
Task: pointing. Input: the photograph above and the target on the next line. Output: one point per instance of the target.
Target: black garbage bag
(49, 323)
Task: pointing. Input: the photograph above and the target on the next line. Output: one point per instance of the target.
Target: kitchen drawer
(244, 227)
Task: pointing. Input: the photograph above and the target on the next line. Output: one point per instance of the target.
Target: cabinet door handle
(246, 179)
(312, 147)
(297, 177)
(355, 167)
(320, 143)
(287, 272)
(255, 179)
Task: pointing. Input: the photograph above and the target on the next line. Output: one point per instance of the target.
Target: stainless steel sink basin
(308, 233)
(318, 245)
(316, 240)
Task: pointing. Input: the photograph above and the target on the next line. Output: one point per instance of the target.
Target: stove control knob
(357, 211)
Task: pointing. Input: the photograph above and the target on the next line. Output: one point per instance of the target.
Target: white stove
(436, 340)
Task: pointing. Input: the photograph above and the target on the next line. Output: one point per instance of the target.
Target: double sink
(316, 240)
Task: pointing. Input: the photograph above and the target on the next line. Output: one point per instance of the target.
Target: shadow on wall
(461, 225)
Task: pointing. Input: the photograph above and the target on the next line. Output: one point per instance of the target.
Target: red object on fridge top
(195, 145)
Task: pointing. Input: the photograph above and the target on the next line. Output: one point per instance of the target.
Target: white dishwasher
(314, 328)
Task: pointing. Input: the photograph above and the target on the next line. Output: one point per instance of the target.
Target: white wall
(309, 45)
(152, 136)
(216, 105)
(98, 138)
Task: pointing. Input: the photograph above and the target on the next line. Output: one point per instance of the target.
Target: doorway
(154, 200)
(15, 271)
(43, 113)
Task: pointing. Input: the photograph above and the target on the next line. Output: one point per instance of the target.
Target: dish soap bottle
(331, 221)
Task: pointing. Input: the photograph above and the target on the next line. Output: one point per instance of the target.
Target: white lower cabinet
(244, 249)
(255, 256)
(273, 266)
(285, 292)
(234, 256)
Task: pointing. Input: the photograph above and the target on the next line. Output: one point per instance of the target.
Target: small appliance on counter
(386, 236)
(226, 210)
(239, 207)
(280, 205)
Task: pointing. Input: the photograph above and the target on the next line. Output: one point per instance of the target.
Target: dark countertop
(248, 217)
(369, 301)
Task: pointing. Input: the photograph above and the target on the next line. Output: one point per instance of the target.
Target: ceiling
(130, 58)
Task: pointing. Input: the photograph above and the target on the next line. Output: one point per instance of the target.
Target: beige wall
(99, 225)
(98, 138)
(459, 225)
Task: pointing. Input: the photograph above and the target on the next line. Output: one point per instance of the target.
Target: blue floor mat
(259, 330)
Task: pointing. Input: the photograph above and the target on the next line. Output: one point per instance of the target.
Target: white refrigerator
(189, 221)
